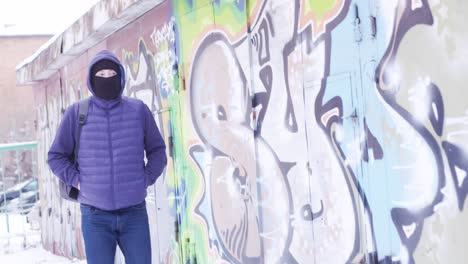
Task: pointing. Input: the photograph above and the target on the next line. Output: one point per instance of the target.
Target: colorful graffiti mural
(299, 131)
(61, 228)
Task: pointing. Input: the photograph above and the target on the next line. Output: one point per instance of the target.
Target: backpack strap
(82, 117)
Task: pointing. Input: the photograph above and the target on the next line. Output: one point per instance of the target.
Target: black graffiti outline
(403, 216)
(370, 142)
(206, 42)
(336, 102)
(457, 158)
(287, 51)
(150, 82)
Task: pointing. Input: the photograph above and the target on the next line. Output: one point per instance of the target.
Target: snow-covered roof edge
(5, 36)
(103, 19)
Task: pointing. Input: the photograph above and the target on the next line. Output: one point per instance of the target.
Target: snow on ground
(22, 245)
(36, 255)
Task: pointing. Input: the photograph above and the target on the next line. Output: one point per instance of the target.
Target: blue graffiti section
(395, 160)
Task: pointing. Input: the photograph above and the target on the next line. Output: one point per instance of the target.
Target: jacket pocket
(88, 209)
(139, 206)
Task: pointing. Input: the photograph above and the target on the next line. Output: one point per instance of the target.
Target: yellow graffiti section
(318, 13)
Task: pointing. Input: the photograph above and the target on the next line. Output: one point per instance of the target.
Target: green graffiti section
(196, 18)
(321, 7)
(188, 189)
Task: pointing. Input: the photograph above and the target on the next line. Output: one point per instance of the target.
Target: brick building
(18, 114)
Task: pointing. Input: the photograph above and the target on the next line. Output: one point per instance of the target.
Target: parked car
(29, 186)
(23, 203)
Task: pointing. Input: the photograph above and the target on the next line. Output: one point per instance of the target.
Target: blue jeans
(126, 227)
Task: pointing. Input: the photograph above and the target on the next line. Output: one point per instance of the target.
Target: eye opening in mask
(106, 73)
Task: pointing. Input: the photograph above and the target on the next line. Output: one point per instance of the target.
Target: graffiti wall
(61, 227)
(298, 131)
(148, 55)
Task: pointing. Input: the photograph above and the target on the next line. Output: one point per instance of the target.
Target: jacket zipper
(111, 159)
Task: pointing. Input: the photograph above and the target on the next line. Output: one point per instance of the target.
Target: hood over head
(104, 88)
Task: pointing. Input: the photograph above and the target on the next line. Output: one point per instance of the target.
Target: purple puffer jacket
(111, 169)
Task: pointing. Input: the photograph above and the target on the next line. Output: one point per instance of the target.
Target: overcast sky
(27, 17)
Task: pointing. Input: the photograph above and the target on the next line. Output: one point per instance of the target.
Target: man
(111, 173)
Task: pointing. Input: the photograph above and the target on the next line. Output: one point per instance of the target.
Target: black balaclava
(106, 88)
